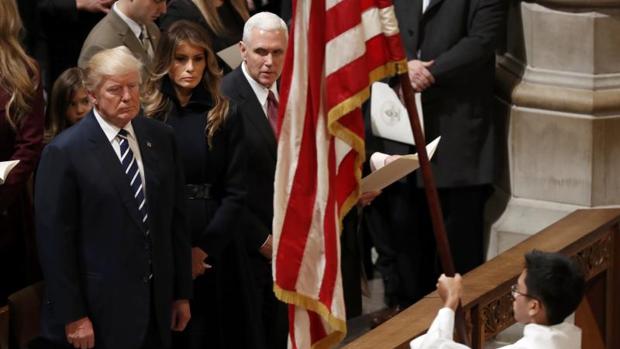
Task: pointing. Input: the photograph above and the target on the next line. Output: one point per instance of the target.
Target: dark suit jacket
(460, 36)
(262, 151)
(93, 248)
(111, 32)
(64, 30)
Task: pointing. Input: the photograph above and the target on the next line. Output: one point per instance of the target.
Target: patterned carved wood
(595, 258)
(497, 315)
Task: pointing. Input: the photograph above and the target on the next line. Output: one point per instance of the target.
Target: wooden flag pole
(432, 198)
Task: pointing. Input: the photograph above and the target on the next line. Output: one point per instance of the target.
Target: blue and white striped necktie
(130, 166)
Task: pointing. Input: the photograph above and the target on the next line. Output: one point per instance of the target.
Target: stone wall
(558, 99)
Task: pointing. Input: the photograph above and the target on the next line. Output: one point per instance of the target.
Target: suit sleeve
(27, 149)
(180, 234)
(225, 220)
(475, 48)
(257, 232)
(58, 10)
(57, 220)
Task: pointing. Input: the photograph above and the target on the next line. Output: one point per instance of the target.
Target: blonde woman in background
(21, 138)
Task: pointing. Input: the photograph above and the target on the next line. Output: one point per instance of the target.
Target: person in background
(223, 20)
(21, 138)
(68, 104)
(184, 93)
(450, 47)
(63, 27)
(548, 290)
(129, 23)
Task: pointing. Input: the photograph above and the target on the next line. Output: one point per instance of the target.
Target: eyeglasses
(515, 292)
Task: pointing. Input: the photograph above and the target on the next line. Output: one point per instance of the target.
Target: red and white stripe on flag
(337, 48)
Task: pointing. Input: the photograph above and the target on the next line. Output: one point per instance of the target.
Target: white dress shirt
(111, 133)
(560, 336)
(425, 5)
(260, 91)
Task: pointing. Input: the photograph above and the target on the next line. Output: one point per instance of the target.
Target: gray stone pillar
(559, 91)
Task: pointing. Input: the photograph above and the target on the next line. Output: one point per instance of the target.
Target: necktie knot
(122, 133)
(271, 98)
(143, 34)
(146, 42)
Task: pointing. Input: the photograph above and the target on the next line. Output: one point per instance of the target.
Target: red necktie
(272, 111)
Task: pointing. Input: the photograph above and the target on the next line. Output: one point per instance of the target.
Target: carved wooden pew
(592, 237)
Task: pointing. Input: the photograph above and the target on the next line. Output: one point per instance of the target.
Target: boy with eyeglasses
(548, 290)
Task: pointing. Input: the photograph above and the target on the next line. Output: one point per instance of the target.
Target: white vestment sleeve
(439, 335)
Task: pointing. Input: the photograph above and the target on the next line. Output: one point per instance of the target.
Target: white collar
(110, 130)
(260, 91)
(135, 27)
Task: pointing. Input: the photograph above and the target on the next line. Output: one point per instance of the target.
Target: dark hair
(557, 281)
(156, 104)
(65, 86)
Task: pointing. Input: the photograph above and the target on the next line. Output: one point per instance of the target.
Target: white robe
(560, 336)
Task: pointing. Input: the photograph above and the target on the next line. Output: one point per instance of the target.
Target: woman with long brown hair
(223, 20)
(183, 92)
(21, 138)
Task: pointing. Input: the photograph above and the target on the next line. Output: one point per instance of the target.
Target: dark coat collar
(200, 99)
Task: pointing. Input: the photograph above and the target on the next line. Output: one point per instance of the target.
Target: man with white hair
(253, 86)
(113, 247)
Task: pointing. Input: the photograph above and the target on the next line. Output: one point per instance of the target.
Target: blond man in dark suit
(130, 24)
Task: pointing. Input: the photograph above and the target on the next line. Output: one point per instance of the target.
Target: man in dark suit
(451, 50)
(110, 226)
(129, 23)
(253, 86)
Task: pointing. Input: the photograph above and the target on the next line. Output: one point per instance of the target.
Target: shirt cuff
(377, 160)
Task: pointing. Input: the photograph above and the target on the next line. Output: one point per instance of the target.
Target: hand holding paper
(395, 170)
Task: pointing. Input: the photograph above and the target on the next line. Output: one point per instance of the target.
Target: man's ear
(243, 49)
(92, 97)
(534, 307)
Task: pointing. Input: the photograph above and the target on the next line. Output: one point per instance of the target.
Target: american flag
(337, 48)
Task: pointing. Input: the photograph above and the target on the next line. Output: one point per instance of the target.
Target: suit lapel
(431, 5)
(153, 34)
(254, 112)
(149, 160)
(128, 38)
(110, 165)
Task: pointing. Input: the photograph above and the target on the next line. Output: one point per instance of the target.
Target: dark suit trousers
(463, 213)
(402, 233)
(152, 339)
(273, 313)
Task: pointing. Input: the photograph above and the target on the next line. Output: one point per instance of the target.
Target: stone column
(559, 96)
